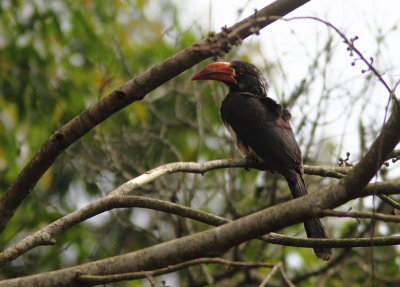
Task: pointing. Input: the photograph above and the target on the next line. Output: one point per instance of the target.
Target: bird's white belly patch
(239, 144)
(246, 150)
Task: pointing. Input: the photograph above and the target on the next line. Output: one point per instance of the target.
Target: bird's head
(239, 76)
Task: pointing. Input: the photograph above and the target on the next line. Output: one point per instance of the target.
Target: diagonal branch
(47, 234)
(216, 241)
(390, 201)
(277, 266)
(134, 90)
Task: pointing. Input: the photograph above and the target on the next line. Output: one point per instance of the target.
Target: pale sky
(292, 43)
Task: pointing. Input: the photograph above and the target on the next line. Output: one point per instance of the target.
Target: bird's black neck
(259, 87)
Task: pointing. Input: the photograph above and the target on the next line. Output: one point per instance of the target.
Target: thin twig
(270, 274)
(102, 279)
(46, 235)
(285, 277)
(151, 280)
(133, 90)
(389, 201)
(359, 214)
(351, 47)
(333, 243)
(277, 266)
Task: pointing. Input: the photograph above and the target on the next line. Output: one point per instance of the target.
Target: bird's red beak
(219, 71)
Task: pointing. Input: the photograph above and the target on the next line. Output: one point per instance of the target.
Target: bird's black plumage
(260, 127)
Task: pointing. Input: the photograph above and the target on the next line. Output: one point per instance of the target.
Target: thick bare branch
(134, 90)
(216, 241)
(47, 234)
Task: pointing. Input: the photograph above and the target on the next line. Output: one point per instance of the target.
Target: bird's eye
(240, 72)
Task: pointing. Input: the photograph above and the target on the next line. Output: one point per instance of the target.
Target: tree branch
(332, 243)
(359, 214)
(212, 242)
(216, 241)
(98, 279)
(134, 90)
(394, 154)
(390, 201)
(351, 48)
(272, 272)
(194, 167)
(47, 234)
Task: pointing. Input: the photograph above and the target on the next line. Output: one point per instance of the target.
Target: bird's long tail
(313, 226)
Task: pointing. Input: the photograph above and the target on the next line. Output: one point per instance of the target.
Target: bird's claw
(252, 159)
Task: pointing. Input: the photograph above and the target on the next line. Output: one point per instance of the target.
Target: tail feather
(313, 226)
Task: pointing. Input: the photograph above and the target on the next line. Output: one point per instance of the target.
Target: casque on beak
(219, 71)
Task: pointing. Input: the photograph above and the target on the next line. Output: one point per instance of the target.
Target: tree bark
(215, 242)
(134, 90)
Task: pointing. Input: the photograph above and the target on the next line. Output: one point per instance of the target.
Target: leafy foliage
(59, 57)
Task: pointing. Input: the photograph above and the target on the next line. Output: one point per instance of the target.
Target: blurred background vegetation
(59, 57)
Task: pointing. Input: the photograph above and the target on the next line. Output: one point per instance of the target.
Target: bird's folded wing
(259, 125)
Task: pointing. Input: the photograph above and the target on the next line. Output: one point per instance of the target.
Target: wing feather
(261, 124)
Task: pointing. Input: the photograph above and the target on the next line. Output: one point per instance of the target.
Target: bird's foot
(252, 159)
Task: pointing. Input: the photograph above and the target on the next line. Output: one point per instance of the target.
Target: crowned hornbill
(260, 128)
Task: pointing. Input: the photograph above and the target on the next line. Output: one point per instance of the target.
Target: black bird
(260, 128)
